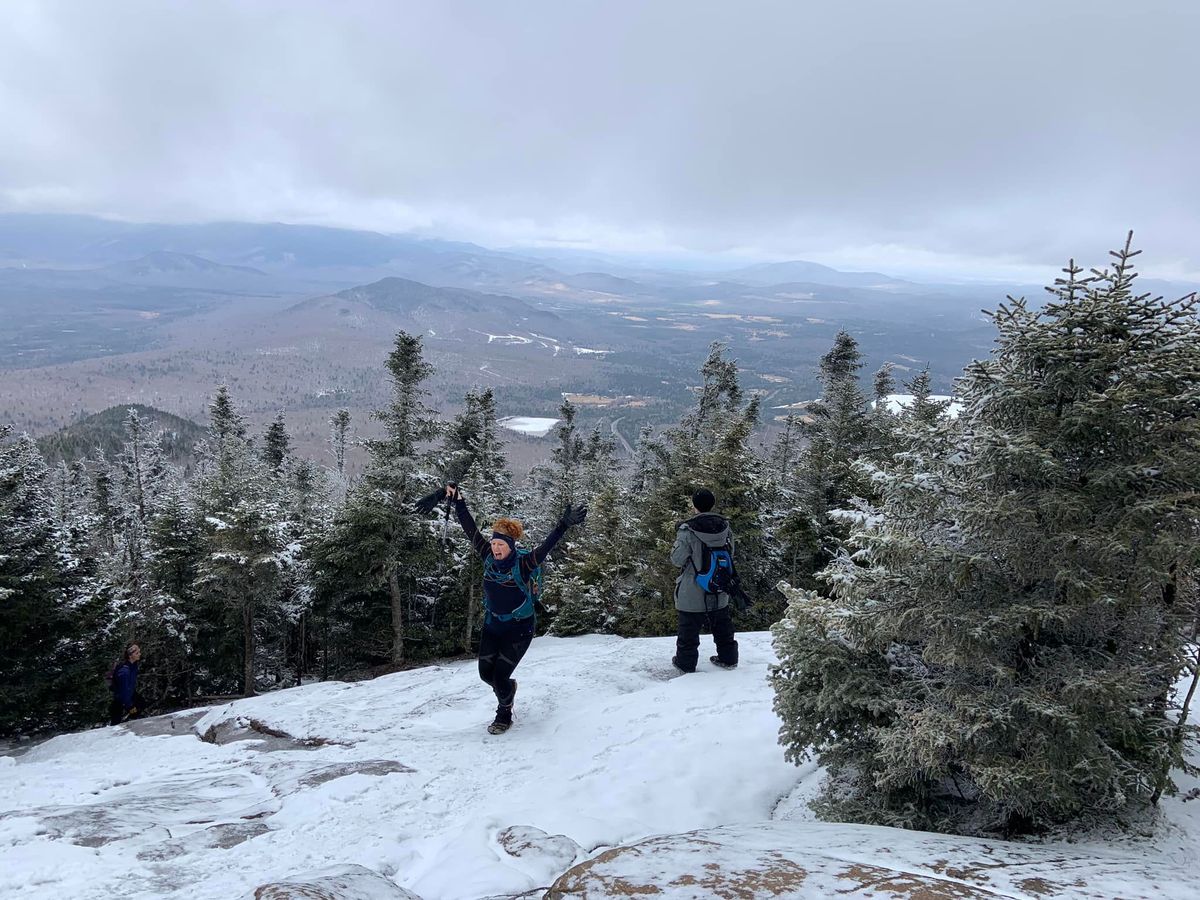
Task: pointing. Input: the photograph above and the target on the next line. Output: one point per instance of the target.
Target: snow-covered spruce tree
(710, 448)
(999, 652)
(239, 575)
(277, 444)
(339, 432)
(473, 455)
(595, 583)
(144, 612)
(556, 482)
(378, 555)
(839, 433)
(839, 430)
(176, 546)
(307, 510)
(591, 590)
(922, 408)
(42, 639)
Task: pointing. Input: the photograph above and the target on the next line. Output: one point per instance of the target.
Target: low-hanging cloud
(999, 136)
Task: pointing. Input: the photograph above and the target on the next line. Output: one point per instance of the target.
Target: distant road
(620, 437)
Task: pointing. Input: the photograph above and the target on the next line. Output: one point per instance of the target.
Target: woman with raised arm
(512, 581)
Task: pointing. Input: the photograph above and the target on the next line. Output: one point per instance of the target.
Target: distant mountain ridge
(809, 272)
(75, 241)
(172, 262)
(402, 295)
(105, 431)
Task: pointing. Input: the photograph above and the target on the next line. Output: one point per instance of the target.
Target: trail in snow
(611, 747)
(608, 747)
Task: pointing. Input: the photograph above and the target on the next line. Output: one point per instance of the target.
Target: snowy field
(620, 778)
(528, 425)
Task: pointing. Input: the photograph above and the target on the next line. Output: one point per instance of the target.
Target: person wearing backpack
(703, 552)
(126, 703)
(512, 581)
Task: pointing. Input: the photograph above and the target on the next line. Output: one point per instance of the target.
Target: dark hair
(703, 500)
(129, 649)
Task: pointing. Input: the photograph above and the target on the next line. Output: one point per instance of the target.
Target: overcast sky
(986, 138)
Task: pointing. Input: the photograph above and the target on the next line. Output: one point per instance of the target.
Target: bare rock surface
(341, 883)
(815, 860)
(527, 842)
(175, 724)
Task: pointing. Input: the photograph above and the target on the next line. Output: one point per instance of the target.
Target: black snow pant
(498, 657)
(117, 713)
(687, 645)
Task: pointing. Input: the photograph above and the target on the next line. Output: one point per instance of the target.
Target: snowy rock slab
(525, 841)
(813, 860)
(343, 883)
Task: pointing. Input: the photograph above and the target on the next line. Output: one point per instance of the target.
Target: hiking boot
(503, 720)
(675, 663)
(716, 661)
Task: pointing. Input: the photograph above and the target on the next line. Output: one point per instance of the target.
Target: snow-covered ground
(618, 777)
(530, 425)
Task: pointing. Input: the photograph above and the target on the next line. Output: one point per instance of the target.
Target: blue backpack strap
(526, 609)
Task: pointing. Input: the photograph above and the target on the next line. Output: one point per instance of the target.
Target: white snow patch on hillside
(399, 777)
(587, 351)
(530, 425)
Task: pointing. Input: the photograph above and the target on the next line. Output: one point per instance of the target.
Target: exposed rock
(180, 724)
(340, 883)
(266, 737)
(796, 860)
(317, 776)
(523, 841)
(148, 810)
(215, 837)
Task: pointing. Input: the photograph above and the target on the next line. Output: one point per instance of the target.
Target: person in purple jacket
(126, 703)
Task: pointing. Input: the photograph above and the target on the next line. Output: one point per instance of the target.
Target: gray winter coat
(688, 554)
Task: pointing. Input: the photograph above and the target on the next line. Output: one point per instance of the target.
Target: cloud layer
(931, 134)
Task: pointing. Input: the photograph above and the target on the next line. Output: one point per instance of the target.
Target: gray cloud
(923, 135)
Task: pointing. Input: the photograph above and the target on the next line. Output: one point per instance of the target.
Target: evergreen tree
(999, 652)
(885, 384)
(240, 512)
(923, 409)
(710, 448)
(557, 481)
(377, 544)
(42, 657)
(277, 445)
(595, 584)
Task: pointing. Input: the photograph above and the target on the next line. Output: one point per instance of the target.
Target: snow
(586, 351)
(898, 402)
(530, 425)
(616, 768)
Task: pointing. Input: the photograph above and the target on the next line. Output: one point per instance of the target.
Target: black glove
(429, 502)
(573, 515)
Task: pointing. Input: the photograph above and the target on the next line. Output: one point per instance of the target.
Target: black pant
(687, 645)
(117, 714)
(498, 657)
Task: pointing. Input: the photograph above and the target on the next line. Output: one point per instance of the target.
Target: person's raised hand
(429, 502)
(574, 515)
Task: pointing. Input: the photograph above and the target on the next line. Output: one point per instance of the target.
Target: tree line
(980, 620)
